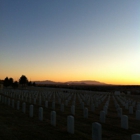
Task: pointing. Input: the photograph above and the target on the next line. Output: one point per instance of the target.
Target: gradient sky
(65, 40)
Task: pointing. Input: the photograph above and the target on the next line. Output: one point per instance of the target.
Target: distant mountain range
(84, 82)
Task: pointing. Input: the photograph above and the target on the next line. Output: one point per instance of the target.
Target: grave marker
(96, 131)
(40, 113)
(70, 124)
(135, 137)
(86, 113)
(124, 121)
(130, 109)
(46, 104)
(137, 114)
(73, 110)
(31, 111)
(53, 118)
(102, 116)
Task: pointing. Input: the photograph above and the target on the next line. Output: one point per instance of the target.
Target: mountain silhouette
(83, 82)
(87, 82)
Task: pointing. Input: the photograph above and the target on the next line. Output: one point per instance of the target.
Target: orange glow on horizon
(113, 81)
(112, 77)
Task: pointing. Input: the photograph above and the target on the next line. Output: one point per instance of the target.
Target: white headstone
(135, 137)
(96, 131)
(82, 105)
(85, 112)
(102, 116)
(137, 114)
(138, 107)
(70, 124)
(105, 110)
(34, 100)
(73, 110)
(130, 109)
(31, 110)
(119, 112)
(46, 104)
(126, 105)
(124, 121)
(133, 103)
(53, 118)
(40, 113)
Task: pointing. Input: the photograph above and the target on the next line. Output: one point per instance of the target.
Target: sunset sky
(67, 40)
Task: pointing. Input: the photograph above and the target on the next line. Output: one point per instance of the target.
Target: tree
(6, 82)
(30, 83)
(15, 84)
(23, 80)
(34, 84)
(11, 81)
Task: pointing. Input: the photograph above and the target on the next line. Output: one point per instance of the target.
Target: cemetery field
(16, 124)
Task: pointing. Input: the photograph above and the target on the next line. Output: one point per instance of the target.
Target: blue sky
(71, 40)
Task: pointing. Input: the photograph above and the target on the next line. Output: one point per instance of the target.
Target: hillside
(83, 82)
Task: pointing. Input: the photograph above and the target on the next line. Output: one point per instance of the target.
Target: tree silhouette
(11, 81)
(6, 82)
(34, 84)
(29, 83)
(15, 84)
(23, 80)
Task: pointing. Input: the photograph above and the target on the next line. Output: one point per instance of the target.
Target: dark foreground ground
(15, 125)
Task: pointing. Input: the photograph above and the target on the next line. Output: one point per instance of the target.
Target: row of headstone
(97, 130)
(85, 110)
(4, 100)
(119, 110)
(127, 103)
(96, 127)
(32, 96)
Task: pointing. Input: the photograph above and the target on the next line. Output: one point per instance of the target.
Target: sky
(70, 40)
